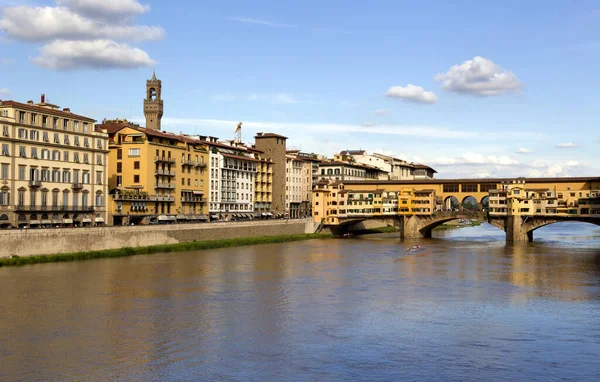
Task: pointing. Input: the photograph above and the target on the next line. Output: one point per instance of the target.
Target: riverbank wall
(35, 242)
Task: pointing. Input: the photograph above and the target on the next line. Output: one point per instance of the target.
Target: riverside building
(155, 176)
(53, 167)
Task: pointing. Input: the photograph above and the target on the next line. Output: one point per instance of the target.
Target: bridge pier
(517, 231)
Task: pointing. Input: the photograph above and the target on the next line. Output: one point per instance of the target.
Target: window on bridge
(487, 187)
(469, 188)
(450, 187)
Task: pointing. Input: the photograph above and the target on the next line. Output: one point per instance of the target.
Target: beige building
(344, 171)
(391, 168)
(53, 167)
(273, 147)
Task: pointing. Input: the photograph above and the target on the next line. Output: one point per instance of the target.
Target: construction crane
(238, 133)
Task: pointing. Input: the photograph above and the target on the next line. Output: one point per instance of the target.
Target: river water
(466, 307)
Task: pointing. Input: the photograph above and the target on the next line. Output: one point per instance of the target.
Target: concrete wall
(31, 242)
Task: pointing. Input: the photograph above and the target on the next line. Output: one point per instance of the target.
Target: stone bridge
(517, 228)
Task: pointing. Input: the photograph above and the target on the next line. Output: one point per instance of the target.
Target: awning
(99, 220)
(67, 221)
(163, 218)
(264, 214)
(181, 217)
(86, 220)
(57, 221)
(34, 222)
(171, 218)
(214, 216)
(269, 214)
(202, 217)
(46, 221)
(198, 192)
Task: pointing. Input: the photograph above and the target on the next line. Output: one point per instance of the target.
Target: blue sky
(474, 90)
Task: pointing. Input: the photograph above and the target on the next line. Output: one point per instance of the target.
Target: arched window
(152, 94)
(329, 171)
(337, 171)
(99, 199)
(4, 196)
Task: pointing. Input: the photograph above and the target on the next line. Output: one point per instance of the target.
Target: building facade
(155, 176)
(273, 147)
(53, 167)
(343, 171)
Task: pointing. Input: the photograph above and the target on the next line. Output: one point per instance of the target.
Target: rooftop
(269, 135)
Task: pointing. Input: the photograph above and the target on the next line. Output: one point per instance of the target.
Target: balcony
(168, 186)
(200, 164)
(35, 183)
(195, 199)
(77, 186)
(164, 172)
(164, 160)
(36, 208)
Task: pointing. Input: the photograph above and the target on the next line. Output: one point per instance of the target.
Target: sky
(472, 89)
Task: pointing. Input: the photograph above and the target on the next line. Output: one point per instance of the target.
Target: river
(466, 307)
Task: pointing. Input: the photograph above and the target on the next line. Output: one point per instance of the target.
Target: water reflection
(466, 307)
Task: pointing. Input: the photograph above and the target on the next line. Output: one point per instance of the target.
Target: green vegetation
(444, 227)
(179, 247)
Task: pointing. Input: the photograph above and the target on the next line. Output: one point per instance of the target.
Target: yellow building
(155, 176)
(53, 167)
(334, 200)
(263, 196)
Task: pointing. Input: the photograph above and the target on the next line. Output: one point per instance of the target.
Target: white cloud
(51, 23)
(4, 92)
(479, 77)
(249, 20)
(411, 93)
(568, 145)
(381, 112)
(523, 150)
(225, 97)
(99, 54)
(369, 124)
(277, 99)
(475, 159)
(105, 9)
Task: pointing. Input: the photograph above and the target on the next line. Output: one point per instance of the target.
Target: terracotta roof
(475, 181)
(44, 110)
(358, 165)
(113, 127)
(240, 157)
(268, 135)
(352, 152)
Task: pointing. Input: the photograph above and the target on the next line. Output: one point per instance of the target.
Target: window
(22, 134)
(4, 171)
(67, 140)
(55, 123)
(44, 121)
(86, 142)
(45, 137)
(22, 171)
(119, 181)
(119, 153)
(34, 119)
(34, 152)
(45, 154)
(45, 175)
(76, 157)
(136, 165)
(84, 201)
(5, 150)
(134, 152)
(34, 135)
(5, 131)
(21, 198)
(75, 201)
(65, 124)
(56, 138)
(5, 113)
(75, 141)
(66, 156)
(55, 155)
(76, 126)
(54, 199)
(99, 144)
(119, 167)
(86, 158)
(44, 198)
(65, 199)
(85, 127)
(32, 198)
(98, 177)
(99, 200)
(4, 197)
(136, 179)
(99, 159)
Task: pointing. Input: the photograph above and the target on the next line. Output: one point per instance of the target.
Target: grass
(179, 247)
(445, 227)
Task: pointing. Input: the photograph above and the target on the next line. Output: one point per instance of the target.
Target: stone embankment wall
(32, 242)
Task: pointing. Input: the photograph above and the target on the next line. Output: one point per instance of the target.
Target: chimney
(30, 102)
(67, 110)
(43, 98)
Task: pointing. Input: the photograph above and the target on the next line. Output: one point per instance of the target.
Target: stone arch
(3, 217)
(451, 203)
(485, 202)
(470, 203)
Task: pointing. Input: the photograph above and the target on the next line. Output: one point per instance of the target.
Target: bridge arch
(451, 203)
(427, 229)
(535, 224)
(470, 203)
